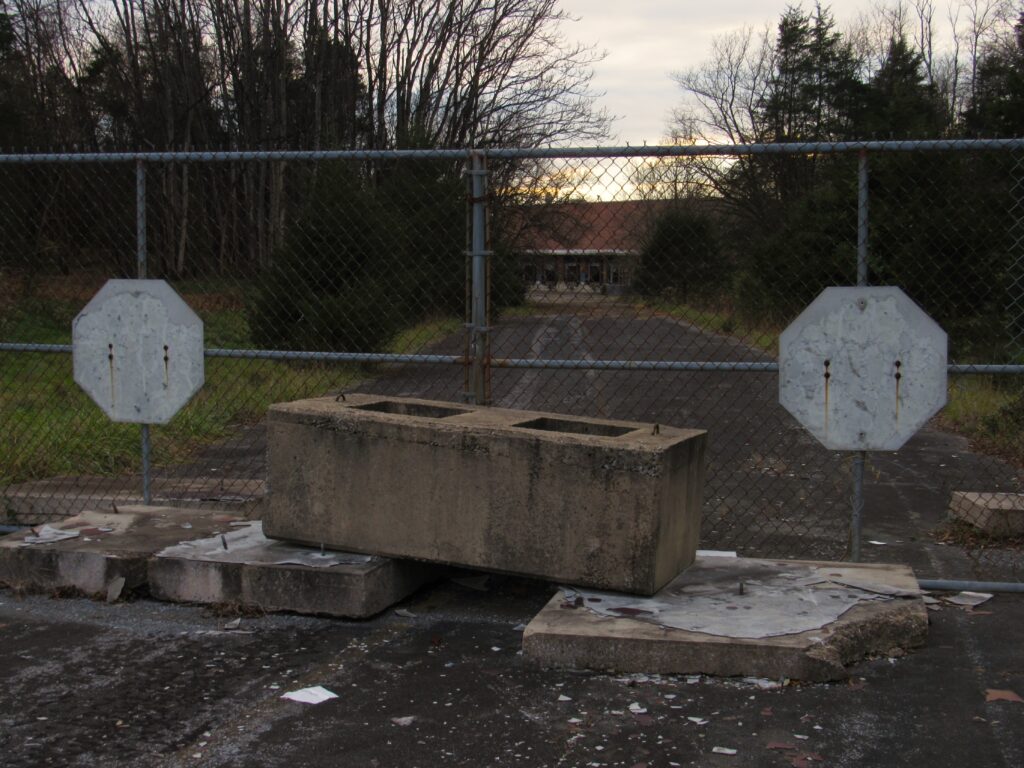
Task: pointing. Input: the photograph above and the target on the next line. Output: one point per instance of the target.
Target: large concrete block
(245, 568)
(607, 504)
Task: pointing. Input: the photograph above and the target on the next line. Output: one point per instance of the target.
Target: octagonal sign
(138, 351)
(863, 368)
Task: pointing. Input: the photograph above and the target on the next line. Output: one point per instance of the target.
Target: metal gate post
(479, 255)
(860, 459)
(141, 267)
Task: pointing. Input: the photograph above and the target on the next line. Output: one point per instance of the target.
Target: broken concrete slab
(608, 504)
(738, 617)
(245, 568)
(997, 514)
(108, 546)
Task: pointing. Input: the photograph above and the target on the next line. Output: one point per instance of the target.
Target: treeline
(380, 241)
(299, 74)
(944, 226)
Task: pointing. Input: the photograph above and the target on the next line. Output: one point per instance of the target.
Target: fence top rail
(552, 153)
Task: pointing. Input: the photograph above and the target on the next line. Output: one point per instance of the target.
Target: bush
(682, 258)
(366, 260)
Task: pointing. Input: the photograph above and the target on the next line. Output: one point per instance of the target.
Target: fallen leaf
(767, 712)
(627, 611)
(996, 694)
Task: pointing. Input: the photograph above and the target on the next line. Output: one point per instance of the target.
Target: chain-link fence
(646, 284)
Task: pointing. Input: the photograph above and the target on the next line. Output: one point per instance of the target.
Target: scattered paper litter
(47, 534)
(315, 695)
(968, 599)
(563, 697)
(763, 683)
(403, 721)
(715, 553)
(636, 709)
(800, 736)
(479, 583)
(878, 543)
(405, 613)
(723, 750)
(519, 628)
(114, 588)
(247, 544)
(698, 720)
(233, 624)
(574, 721)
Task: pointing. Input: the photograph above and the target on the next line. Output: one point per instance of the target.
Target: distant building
(580, 245)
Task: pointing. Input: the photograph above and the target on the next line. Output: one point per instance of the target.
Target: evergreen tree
(900, 101)
(998, 106)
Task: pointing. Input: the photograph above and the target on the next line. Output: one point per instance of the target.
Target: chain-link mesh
(647, 288)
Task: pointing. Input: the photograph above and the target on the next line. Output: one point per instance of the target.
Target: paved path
(150, 685)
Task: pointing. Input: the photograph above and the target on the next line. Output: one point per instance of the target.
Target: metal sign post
(137, 349)
(862, 369)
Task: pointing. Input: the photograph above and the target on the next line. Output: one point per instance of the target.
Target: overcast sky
(646, 40)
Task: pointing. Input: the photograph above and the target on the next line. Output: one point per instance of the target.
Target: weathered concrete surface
(144, 684)
(613, 505)
(567, 634)
(244, 568)
(998, 514)
(93, 560)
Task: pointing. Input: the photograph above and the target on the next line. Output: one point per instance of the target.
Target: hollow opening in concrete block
(546, 424)
(411, 409)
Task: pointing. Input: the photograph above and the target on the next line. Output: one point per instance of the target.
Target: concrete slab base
(107, 546)
(245, 568)
(997, 514)
(738, 617)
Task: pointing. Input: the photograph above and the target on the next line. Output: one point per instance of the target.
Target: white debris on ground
(968, 599)
(47, 534)
(317, 694)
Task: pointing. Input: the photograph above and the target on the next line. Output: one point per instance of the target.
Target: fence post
(860, 458)
(479, 384)
(141, 272)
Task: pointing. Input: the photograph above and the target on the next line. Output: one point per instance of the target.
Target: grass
(52, 428)
(988, 411)
(721, 321)
(419, 337)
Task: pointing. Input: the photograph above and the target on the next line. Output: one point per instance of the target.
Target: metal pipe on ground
(946, 585)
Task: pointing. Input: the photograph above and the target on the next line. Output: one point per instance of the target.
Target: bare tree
(723, 95)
